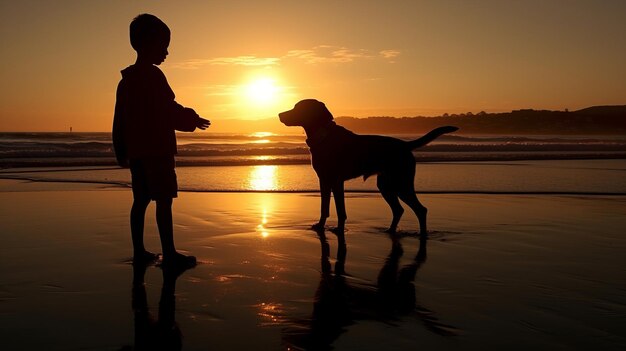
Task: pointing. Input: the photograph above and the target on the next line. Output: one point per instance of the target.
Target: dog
(338, 154)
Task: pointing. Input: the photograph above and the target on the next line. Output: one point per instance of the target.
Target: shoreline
(567, 177)
(191, 161)
(118, 186)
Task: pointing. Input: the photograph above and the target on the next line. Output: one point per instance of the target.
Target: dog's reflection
(341, 301)
(163, 332)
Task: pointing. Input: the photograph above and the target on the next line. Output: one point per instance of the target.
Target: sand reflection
(271, 314)
(261, 228)
(264, 210)
(263, 178)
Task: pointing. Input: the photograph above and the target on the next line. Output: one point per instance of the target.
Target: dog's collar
(320, 135)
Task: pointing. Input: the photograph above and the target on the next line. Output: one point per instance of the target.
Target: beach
(540, 271)
(265, 123)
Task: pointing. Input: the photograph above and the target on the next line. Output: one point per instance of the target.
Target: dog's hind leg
(411, 200)
(391, 197)
(396, 210)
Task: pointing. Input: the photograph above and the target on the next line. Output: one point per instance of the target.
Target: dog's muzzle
(285, 118)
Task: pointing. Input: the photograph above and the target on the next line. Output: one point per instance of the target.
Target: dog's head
(306, 113)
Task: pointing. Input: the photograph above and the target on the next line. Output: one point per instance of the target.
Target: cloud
(329, 54)
(389, 54)
(317, 55)
(221, 90)
(337, 54)
(236, 89)
(248, 60)
(244, 61)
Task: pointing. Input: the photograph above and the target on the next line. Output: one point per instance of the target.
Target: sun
(262, 95)
(262, 91)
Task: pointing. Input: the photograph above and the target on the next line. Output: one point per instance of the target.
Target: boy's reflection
(163, 333)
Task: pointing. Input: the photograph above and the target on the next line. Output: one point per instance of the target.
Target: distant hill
(607, 120)
(592, 120)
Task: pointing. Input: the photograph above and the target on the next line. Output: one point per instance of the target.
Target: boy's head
(150, 37)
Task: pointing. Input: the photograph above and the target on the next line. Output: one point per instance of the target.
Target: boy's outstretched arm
(187, 120)
(183, 118)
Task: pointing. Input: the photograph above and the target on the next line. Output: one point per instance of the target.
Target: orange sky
(251, 59)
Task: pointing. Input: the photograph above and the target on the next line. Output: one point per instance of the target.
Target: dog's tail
(430, 136)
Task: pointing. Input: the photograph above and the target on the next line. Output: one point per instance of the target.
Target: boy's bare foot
(145, 257)
(179, 261)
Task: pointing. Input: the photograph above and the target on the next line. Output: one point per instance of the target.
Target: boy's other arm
(119, 146)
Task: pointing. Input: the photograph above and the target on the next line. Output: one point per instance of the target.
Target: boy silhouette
(144, 140)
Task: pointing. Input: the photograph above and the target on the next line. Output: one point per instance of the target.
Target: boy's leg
(137, 220)
(141, 200)
(166, 232)
(166, 226)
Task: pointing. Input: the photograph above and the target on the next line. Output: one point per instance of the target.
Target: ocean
(281, 163)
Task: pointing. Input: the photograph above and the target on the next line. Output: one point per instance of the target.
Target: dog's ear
(316, 111)
(323, 112)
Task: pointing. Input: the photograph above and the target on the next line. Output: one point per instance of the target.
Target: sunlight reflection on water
(261, 227)
(262, 178)
(265, 210)
(271, 314)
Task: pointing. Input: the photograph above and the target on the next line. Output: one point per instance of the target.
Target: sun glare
(262, 91)
(262, 95)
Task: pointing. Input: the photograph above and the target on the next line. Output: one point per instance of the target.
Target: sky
(61, 59)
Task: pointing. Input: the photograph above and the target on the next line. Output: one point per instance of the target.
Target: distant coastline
(597, 120)
(601, 120)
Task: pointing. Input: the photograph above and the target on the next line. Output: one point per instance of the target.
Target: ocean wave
(30, 149)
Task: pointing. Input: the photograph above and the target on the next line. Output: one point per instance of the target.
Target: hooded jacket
(146, 115)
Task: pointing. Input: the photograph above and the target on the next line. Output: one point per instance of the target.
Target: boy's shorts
(154, 178)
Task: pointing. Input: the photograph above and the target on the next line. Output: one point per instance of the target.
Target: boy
(146, 116)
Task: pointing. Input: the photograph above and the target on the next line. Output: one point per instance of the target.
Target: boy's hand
(188, 120)
(202, 123)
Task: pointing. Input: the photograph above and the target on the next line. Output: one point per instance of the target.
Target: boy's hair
(145, 29)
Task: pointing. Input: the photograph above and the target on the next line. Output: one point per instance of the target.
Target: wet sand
(497, 272)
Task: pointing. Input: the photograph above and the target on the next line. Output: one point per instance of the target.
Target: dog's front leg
(340, 206)
(325, 187)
